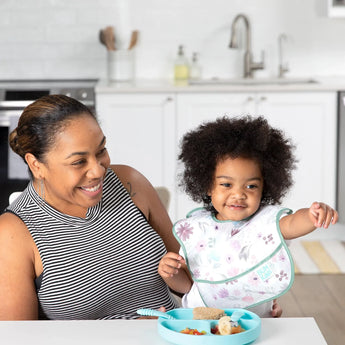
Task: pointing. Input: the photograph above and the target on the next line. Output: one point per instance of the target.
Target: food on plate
(226, 327)
(192, 331)
(207, 313)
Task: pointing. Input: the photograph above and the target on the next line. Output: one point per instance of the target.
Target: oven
(14, 97)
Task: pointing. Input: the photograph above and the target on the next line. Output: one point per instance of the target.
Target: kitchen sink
(259, 81)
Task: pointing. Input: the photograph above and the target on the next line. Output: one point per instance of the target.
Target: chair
(13, 197)
(164, 195)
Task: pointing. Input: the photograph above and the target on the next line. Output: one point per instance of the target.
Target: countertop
(282, 331)
(168, 86)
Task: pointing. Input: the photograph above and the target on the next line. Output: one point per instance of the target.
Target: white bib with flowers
(236, 264)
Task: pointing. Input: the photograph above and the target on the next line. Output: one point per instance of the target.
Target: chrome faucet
(249, 64)
(283, 67)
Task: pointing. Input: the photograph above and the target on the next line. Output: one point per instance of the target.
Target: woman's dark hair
(41, 121)
(245, 137)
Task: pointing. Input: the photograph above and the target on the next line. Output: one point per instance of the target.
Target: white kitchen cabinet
(308, 118)
(140, 132)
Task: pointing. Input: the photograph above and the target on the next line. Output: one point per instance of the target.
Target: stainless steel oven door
(17, 169)
(10, 161)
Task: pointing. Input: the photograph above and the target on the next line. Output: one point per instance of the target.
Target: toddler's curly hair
(245, 137)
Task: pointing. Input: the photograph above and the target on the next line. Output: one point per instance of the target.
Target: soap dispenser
(195, 68)
(181, 68)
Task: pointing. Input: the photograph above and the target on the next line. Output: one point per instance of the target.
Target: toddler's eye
(227, 185)
(252, 186)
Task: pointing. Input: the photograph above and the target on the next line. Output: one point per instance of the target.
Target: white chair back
(164, 195)
(13, 197)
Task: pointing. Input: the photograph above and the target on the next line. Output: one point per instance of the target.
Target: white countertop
(168, 86)
(282, 331)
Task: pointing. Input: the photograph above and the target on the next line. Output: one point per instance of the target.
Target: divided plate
(170, 329)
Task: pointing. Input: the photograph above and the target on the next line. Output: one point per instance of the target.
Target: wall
(59, 38)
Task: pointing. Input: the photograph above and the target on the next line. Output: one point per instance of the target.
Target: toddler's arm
(172, 268)
(305, 220)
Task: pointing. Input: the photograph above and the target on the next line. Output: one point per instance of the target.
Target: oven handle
(14, 104)
(22, 104)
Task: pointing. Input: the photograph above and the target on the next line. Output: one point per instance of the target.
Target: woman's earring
(42, 190)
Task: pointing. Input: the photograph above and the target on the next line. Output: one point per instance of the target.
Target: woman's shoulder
(11, 226)
(130, 176)
(139, 188)
(123, 171)
(15, 237)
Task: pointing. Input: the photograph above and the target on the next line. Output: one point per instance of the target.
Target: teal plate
(170, 329)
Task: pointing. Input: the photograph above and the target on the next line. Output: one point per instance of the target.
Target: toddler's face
(237, 188)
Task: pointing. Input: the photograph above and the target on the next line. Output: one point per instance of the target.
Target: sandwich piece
(206, 313)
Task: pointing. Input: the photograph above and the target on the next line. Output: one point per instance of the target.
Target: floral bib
(236, 264)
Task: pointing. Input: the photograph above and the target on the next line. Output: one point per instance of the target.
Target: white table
(282, 331)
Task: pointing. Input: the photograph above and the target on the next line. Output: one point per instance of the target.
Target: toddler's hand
(170, 264)
(322, 215)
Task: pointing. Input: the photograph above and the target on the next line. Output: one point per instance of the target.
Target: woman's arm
(171, 267)
(17, 270)
(306, 220)
(147, 200)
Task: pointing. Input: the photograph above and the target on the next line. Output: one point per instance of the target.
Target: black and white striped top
(103, 266)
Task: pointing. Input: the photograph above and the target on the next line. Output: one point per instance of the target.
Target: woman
(85, 238)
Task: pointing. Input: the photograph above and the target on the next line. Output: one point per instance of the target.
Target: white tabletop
(282, 331)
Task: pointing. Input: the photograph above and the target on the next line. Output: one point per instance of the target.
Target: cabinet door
(192, 110)
(309, 119)
(140, 131)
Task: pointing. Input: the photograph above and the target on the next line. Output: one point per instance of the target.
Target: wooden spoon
(102, 38)
(105, 37)
(110, 37)
(134, 39)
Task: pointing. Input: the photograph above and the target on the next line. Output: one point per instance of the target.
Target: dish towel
(318, 257)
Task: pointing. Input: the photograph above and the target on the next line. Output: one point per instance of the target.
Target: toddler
(233, 252)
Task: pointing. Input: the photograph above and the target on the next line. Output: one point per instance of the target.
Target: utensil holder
(121, 65)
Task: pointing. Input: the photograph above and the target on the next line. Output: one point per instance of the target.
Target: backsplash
(59, 38)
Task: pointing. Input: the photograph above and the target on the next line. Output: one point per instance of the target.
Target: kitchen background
(59, 38)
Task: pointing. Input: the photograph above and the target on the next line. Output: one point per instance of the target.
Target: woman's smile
(93, 189)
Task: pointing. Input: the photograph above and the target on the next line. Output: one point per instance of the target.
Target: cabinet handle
(263, 98)
(250, 99)
(167, 100)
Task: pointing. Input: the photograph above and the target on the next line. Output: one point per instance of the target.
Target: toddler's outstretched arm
(172, 268)
(305, 220)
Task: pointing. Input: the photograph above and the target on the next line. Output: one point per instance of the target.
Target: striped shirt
(103, 266)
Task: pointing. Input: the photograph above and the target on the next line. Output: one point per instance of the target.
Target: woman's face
(75, 167)
(237, 188)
